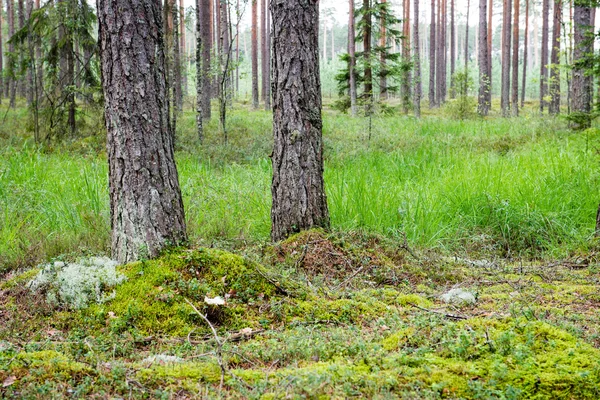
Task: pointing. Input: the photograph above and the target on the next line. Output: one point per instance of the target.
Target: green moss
(47, 364)
(341, 310)
(19, 279)
(186, 375)
(152, 300)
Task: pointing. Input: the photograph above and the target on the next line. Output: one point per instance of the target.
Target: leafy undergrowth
(318, 316)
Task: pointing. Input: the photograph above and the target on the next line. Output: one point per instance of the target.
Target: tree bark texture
(145, 199)
(467, 39)
(182, 48)
(299, 200)
(525, 55)
(200, 74)
(1, 54)
(554, 106)
(10, 11)
(544, 54)
(383, 44)
(489, 44)
(581, 89)
(255, 54)
(352, 62)
(367, 36)
(432, 53)
(266, 56)
(515, 61)
(452, 49)
(484, 87)
(206, 33)
(417, 88)
(506, 33)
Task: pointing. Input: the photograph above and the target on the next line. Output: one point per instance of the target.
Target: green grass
(512, 187)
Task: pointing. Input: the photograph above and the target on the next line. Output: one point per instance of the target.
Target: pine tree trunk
(467, 39)
(206, 37)
(1, 53)
(178, 79)
(483, 106)
(554, 106)
(145, 199)
(439, 58)
(417, 61)
(581, 86)
(506, 34)
(237, 50)
(515, 61)
(368, 73)
(444, 49)
(352, 61)
(254, 44)
(264, 58)
(544, 55)
(382, 60)
(200, 73)
(452, 49)
(432, 60)
(183, 49)
(299, 200)
(10, 11)
(489, 45)
(21, 19)
(525, 55)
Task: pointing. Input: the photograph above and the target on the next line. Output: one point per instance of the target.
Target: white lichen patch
(76, 285)
(162, 359)
(459, 296)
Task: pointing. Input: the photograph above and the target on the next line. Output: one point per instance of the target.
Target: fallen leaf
(9, 381)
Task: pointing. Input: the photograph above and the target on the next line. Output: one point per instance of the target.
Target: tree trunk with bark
(145, 199)
(506, 33)
(177, 76)
(10, 11)
(417, 61)
(200, 73)
(525, 55)
(544, 54)
(432, 53)
(382, 60)
(206, 37)
(489, 44)
(467, 39)
(581, 89)
(2, 90)
(515, 61)
(484, 86)
(554, 106)
(182, 49)
(255, 101)
(352, 61)
(264, 57)
(367, 36)
(439, 57)
(299, 200)
(452, 49)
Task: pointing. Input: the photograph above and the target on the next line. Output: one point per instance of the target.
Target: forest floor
(498, 212)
